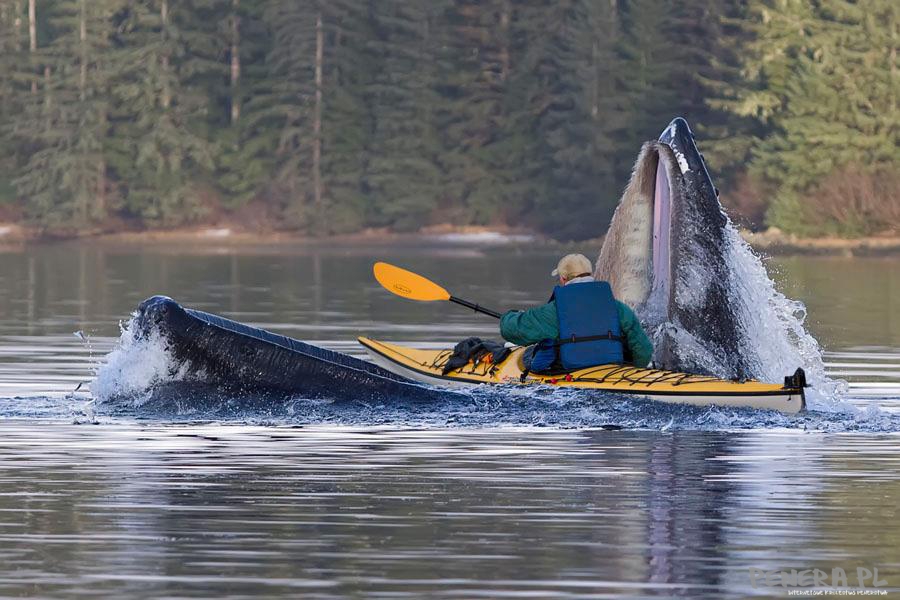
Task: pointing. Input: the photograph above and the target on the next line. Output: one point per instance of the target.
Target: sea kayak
(663, 386)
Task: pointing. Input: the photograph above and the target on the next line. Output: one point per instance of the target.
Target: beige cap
(573, 265)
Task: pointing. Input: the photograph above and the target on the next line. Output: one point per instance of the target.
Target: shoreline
(776, 243)
(770, 242)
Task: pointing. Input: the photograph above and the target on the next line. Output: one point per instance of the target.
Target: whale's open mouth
(673, 255)
(666, 255)
(640, 254)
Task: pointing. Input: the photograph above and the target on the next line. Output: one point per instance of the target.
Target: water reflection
(162, 509)
(851, 302)
(336, 512)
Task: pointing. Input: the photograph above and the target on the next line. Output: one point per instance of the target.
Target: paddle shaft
(475, 307)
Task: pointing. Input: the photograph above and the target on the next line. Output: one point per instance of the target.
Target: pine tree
(306, 121)
(555, 46)
(346, 118)
(155, 147)
(841, 101)
(653, 74)
(350, 113)
(284, 106)
(402, 176)
(246, 147)
(607, 97)
(477, 154)
(728, 135)
(65, 176)
(11, 56)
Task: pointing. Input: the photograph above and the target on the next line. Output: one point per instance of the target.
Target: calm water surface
(147, 506)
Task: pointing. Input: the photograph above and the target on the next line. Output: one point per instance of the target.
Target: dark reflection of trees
(626, 507)
(313, 286)
(59, 288)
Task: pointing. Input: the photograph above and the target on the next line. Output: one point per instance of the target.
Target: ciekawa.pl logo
(862, 581)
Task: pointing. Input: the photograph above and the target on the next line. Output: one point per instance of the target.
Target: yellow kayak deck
(665, 386)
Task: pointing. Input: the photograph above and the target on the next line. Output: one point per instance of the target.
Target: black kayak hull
(238, 357)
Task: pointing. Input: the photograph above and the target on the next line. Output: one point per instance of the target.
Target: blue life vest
(589, 329)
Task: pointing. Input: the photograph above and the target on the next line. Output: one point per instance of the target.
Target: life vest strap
(591, 338)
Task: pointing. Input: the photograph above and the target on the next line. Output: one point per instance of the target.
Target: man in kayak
(581, 326)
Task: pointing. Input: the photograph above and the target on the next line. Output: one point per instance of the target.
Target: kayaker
(581, 326)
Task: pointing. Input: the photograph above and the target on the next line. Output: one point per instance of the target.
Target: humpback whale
(666, 254)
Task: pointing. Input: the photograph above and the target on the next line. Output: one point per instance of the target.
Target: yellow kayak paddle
(415, 287)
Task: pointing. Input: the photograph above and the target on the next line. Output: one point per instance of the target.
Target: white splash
(135, 367)
(693, 280)
(691, 350)
(776, 340)
(776, 335)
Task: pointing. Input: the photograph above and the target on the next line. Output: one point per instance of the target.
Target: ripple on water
(329, 512)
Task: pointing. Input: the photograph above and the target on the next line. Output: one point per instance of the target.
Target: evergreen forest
(331, 116)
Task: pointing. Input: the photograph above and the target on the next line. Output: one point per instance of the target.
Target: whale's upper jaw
(691, 163)
(676, 136)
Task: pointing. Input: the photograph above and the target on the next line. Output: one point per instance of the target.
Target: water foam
(135, 367)
(777, 339)
(494, 406)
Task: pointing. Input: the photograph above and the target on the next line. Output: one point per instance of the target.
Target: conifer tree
(11, 19)
(728, 135)
(65, 177)
(341, 114)
(245, 147)
(402, 176)
(289, 103)
(608, 100)
(347, 120)
(155, 147)
(554, 82)
(306, 122)
(478, 150)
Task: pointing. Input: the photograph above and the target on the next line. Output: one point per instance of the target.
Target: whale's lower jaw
(666, 256)
(626, 258)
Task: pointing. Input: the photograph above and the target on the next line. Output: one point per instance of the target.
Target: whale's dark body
(245, 359)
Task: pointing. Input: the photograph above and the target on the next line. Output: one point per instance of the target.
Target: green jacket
(535, 324)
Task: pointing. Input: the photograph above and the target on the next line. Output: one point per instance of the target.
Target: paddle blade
(408, 284)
